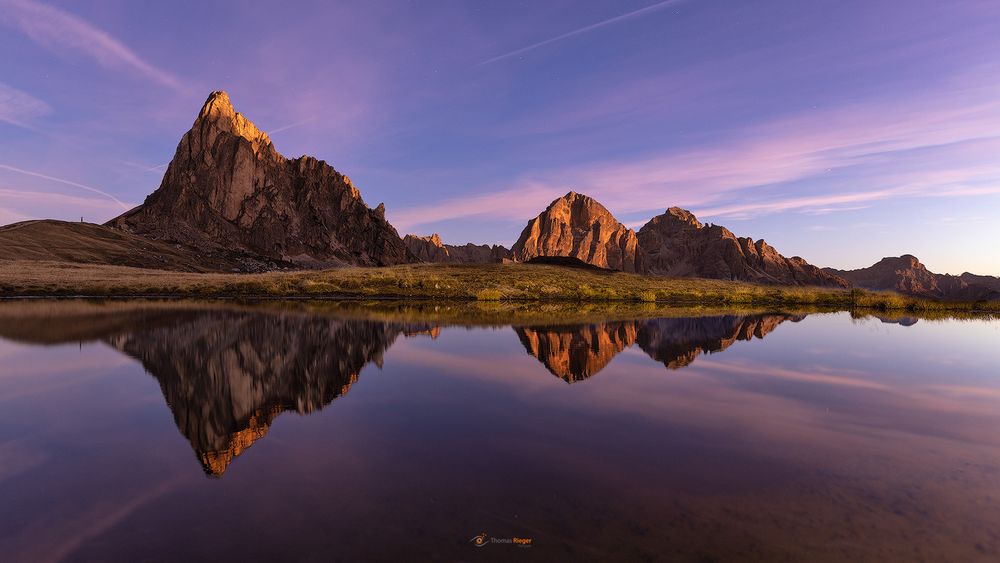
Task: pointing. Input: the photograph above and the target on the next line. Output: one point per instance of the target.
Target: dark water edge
(291, 430)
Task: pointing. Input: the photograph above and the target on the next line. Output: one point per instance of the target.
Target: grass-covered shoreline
(485, 283)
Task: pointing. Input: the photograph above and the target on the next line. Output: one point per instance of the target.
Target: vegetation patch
(485, 283)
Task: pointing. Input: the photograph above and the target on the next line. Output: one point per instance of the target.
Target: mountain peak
(684, 216)
(677, 244)
(218, 110)
(228, 192)
(905, 261)
(580, 227)
(218, 103)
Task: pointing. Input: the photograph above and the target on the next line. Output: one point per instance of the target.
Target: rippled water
(220, 431)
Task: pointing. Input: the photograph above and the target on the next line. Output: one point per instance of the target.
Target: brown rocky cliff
(431, 249)
(426, 249)
(676, 244)
(228, 191)
(578, 226)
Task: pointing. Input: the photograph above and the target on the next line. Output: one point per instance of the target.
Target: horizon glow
(840, 131)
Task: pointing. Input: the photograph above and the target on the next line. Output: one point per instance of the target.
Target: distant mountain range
(906, 274)
(230, 202)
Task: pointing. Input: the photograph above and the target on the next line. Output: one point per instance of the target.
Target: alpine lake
(165, 430)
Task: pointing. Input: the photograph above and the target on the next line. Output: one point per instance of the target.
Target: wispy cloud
(66, 183)
(921, 147)
(585, 29)
(18, 204)
(290, 126)
(157, 169)
(8, 216)
(517, 203)
(20, 108)
(63, 32)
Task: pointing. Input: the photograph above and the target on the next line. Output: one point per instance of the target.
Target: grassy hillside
(87, 243)
(486, 283)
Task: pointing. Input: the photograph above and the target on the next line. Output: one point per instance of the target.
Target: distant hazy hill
(907, 274)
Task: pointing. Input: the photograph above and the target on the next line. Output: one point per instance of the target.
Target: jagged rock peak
(434, 239)
(578, 226)
(218, 110)
(676, 244)
(228, 192)
(684, 216)
(433, 249)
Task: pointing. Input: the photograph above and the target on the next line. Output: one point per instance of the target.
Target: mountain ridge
(229, 201)
(906, 274)
(432, 250)
(229, 191)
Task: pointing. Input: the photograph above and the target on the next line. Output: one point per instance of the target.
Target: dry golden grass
(488, 283)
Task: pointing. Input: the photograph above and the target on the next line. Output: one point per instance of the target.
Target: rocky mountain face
(907, 274)
(676, 244)
(228, 191)
(990, 282)
(431, 249)
(579, 227)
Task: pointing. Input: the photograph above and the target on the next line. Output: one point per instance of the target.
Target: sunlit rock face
(677, 342)
(226, 375)
(228, 191)
(579, 227)
(676, 244)
(576, 353)
(431, 249)
(907, 274)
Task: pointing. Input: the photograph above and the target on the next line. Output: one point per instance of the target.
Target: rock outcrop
(676, 244)
(579, 227)
(228, 191)
(431, 249)
(906, 274)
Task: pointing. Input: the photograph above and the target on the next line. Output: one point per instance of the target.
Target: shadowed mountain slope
(676, 244)
(431, 249)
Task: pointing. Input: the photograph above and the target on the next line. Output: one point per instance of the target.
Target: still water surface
(143, 431)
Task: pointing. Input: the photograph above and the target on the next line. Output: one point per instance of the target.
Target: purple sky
(839, 130)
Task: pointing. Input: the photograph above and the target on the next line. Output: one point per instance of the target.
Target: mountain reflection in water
(227, 373)
(685, 435)
(575, 353)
